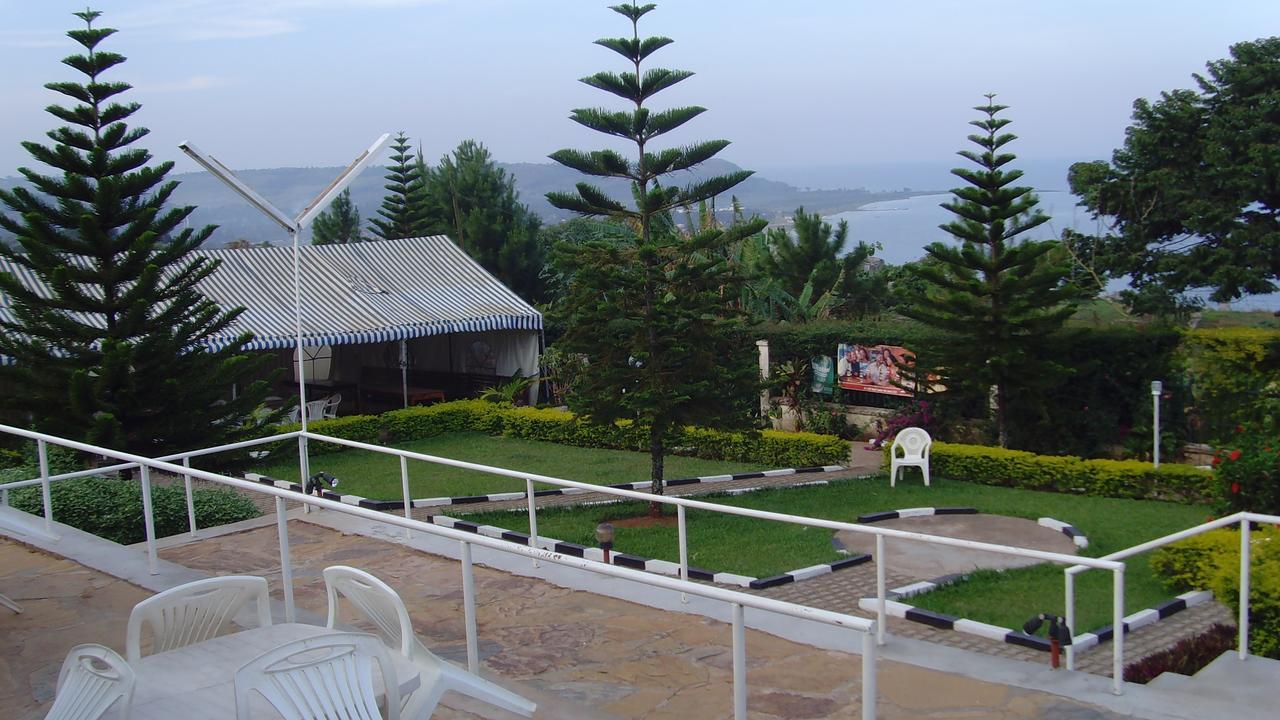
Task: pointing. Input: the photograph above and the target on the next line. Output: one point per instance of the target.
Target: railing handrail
(732, 596)
(730, 509)
(130, 465)
(1234, 519)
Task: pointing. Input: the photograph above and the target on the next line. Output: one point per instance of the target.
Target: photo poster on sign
(875, 368)
(823, 375)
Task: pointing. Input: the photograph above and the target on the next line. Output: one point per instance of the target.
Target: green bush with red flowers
(1248, 470)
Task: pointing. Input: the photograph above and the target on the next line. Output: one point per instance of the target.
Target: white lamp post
(293, 226)
(1157, 388)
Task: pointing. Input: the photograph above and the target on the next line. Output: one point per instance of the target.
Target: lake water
(904, 227)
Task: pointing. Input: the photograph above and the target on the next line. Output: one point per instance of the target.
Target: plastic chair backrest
(194, 612)
(92, 679)
(315, 408)
(295, 415)
(914, 442)
(327, 677)
(331, 405)
(375, 600)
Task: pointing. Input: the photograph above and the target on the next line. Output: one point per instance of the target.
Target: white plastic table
(197, 682)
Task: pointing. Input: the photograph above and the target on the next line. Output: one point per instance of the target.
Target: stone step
(1227, 687)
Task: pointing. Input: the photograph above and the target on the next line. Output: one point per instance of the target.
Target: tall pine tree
(339, 224)
(998, 294)
(112, 347)
(468, 197)
(645, 311)
(401, 213)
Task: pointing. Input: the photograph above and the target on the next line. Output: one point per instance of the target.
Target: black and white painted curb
(914, 512)
(1142, 618)
(664, 567)
(500, 497)
(924, 586)
(1070, 531)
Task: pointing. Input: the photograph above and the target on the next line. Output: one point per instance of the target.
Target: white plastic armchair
(195, 612)
(914, 443)
(331, 406)
(377, 602)
(327, 677)
(93, 678)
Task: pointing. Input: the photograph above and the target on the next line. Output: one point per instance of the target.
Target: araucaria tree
(109, 344)
(646, 311)
(472, 200)
(339, 224)
(997, 293)
(1193, 197)
(401, 213)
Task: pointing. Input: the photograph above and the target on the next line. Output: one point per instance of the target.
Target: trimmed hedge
(769, 447)
(1069, 474)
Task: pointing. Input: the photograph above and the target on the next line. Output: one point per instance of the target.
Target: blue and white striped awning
(365, 292)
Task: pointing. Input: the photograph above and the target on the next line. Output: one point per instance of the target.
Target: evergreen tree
(996, 293)
(644, 310)
(807, 262)
(115, 352)
(471, 199)
(401, 213)
(339, 224)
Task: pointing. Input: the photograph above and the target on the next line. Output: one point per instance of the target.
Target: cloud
(190, 84)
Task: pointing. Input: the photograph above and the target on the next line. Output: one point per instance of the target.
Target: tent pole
(404, 371)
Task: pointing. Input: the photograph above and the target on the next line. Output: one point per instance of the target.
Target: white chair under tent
(378, 603)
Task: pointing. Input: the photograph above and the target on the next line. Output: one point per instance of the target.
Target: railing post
(1117, 635)
(882, 609)
(191, 503)
(1069, 583)
(148, 519)
(408, 502)
(42, 449)
(286, 563)
(739, 664)
(469, 609)
(533, 516)
(869, 676)
(1245, 557)
(683, 534)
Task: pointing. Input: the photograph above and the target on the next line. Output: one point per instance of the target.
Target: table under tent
(384, 323)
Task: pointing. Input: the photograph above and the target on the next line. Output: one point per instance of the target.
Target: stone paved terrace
(578, 653)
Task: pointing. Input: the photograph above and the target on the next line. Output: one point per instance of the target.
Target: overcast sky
(267, 83)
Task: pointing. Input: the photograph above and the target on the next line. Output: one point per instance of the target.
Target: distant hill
(291, 188)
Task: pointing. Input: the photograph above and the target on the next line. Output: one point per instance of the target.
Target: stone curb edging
(1085, 641)
(663, 567)
(914, 512)
(1077, 537)
(500, 497)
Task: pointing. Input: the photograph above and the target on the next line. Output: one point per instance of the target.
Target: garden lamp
(1059, 634)
(604, 536)
(1157, 388)
(316, 483)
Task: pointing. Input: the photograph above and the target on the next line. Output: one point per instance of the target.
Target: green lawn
(717, 542)
(375, 475)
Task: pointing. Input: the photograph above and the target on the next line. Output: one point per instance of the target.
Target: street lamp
(293, 226)
(1157, 388)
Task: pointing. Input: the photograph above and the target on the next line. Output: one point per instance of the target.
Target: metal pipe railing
(736, 599)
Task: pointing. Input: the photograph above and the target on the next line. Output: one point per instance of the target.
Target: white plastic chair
(93, 678)
(315, 408)
(915, 444)
(327, 677)
(194, 612)
(331, 406)
(383, 607)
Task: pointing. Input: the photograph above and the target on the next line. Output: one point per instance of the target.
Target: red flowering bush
(914, 414)
(1248, 471)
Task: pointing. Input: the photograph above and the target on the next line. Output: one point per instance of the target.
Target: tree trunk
(655, 472)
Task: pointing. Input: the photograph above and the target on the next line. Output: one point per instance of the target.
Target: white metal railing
(1242, 519)
(737, 600)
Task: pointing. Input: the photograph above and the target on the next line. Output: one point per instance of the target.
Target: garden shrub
(1212, 561)
(1233, 371)
(770, 447)
(1069, 474)
(1186, 657)
(112, 508)
(1248, 470)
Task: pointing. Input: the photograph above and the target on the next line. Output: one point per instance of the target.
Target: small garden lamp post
(604, 536)
(1157, 388)
(1059, 634)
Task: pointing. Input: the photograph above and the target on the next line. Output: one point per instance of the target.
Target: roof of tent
(357, 293)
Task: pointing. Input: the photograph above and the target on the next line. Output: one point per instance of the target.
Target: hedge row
(767, 448)
(1070, 474)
